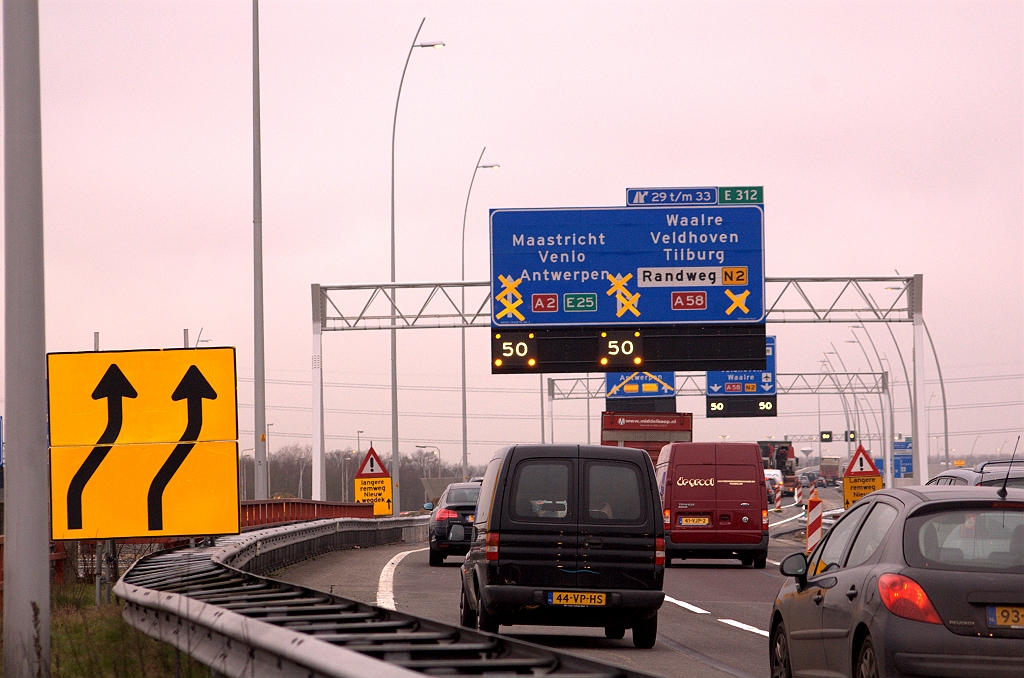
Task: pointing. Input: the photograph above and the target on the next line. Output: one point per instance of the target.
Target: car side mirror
(795, 565)
(429, 506)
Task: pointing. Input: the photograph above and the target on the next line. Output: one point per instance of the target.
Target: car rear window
(1010, 482)
(977, 539)
(464, 495)
(540, 491)
(613, 493)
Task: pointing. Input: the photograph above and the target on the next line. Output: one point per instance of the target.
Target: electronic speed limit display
(741, 406)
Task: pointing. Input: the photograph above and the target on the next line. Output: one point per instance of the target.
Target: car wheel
(436, 559)
(760, 561)
(747, 560)
(485, 621)
(867, 662)
(645, 633)
(467, 617)
(615, 632)
(780, 653)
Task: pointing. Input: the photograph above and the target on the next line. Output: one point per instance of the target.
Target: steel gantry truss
(438, 305)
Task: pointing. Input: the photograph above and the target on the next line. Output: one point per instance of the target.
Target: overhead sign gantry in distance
(744, 393)
(627, 288)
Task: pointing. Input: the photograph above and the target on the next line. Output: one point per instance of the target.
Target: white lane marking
(745, 627)
(686, 606)
(386, 583)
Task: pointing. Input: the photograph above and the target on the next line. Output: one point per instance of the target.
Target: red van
(714, 501)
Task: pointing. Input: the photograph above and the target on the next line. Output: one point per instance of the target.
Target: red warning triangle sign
(861, 464)
(372, 466)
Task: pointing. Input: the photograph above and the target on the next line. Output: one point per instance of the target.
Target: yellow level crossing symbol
(510, 297)
(627, 301)
(738, 302)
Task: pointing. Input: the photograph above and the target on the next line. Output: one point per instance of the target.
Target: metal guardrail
(212, 604)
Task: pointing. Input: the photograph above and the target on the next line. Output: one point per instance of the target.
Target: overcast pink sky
(887, 136)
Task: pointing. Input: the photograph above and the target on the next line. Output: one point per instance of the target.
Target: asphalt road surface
(714, 621)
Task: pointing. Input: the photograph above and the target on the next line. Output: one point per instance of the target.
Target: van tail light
(905, 598)
(659, 551)
(492, 546)
(668, 516)
(764, 519)
(447, 514)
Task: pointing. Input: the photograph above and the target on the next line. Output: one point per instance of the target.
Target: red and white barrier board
(813, 521)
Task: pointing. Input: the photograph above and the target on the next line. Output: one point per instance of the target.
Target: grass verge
(94, 642)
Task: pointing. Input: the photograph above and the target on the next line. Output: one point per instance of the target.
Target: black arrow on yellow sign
(193, 388)
(113, 386)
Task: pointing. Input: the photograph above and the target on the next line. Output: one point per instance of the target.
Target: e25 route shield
(633, 266)
(143, 443)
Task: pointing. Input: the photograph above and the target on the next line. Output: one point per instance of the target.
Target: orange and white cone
(813, 521)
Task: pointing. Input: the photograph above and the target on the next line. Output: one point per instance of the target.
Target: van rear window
(540, 491)
(613, 492)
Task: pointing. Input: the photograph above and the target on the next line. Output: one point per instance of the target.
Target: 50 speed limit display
(741, 406)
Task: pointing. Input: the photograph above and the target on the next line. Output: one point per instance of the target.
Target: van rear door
(690, 492)
(739, 492)
(617, 520)
(538, 534)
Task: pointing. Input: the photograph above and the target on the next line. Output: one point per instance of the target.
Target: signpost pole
(259, 366)
(319, 476)
(26, 528)
(917, 360)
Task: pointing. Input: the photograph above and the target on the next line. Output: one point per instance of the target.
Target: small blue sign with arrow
(746, 382)
(640, 384)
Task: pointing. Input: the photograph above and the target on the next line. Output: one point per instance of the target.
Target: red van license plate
(693, 520)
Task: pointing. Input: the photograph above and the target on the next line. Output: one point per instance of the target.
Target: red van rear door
(739, 493)
(690, 492)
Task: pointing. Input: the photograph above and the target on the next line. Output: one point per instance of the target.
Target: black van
(567, 535)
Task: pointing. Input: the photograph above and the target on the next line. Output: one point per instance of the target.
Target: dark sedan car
(925, 581)
(451, 521)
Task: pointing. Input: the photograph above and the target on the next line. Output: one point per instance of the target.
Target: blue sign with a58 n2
(707, 195)
(746, 382)
(627, 266)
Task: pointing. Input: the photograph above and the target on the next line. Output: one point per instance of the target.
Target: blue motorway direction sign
(640, 384)
(902, 465)
(746, 382)
(903, 445)
(672, 196)
(642, 266)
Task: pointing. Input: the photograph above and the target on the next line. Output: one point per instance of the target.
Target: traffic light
(851, 436)
(826, 436)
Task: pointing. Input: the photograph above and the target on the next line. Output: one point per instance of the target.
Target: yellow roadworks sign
(858, 487)
(143, 443)
(376, 491)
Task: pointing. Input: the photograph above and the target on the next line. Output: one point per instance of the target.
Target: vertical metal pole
(887, 443)
(551, 407)
(396, 459)
(27, 526)
(319, 476)
(588, 409)
(185, 333)
(917, 360)
(259, 364)
(942, 387)
(465, 426)
(97, 563)
(541, 409)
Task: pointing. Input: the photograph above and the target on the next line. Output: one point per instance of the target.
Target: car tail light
(905, 598)
(764, 519)
(659, 551)
(668, 516)
(447, 514)
(492, 546)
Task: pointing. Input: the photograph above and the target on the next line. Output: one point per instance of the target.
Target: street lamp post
(262, 472)
(269, 492)
(395, 458)
(462, 309)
